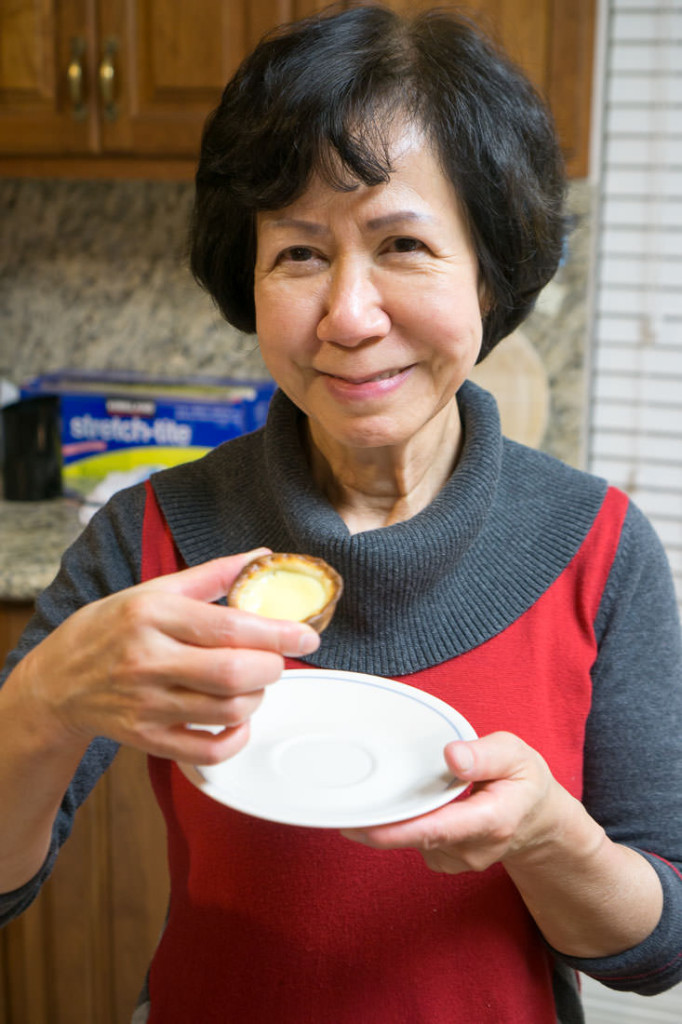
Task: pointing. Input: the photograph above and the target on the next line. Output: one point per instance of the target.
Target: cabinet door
(80, 952)
(162, 65)
(147, 71)
(151, 70)
(553, 41)
(568, 83)
(262, 15)
(46, 101)
(166, 63)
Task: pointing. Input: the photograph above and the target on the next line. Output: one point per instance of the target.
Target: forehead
(416, 190)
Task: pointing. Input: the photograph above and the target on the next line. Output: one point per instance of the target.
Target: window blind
(635, 433)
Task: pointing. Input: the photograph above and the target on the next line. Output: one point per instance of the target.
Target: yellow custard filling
(281, 594)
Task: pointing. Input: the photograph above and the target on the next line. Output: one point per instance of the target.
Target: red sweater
(299, 926)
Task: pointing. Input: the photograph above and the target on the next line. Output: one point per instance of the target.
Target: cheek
(285, 316)
(265, 311)
(280, 360)
(285, 344)
(454, 323)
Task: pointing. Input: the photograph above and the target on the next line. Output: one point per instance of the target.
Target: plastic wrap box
(122, 427)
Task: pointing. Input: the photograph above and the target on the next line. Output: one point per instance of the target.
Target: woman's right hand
(140, 665)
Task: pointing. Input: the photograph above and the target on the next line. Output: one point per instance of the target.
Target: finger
(220, 672)
(194, 746)
(209, 625)
(445, 861)
(500, 755)
(462, 821)
(401, 835)
(206, 582)
(496, 763)
(185, 707)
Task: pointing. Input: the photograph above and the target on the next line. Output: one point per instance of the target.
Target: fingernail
(308, 642)
(256, 553)
(465, 760)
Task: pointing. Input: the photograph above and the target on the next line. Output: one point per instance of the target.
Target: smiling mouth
(385, 375)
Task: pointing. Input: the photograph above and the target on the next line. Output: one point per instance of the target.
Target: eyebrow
(299, 224)
(399, 217)
(374, 224)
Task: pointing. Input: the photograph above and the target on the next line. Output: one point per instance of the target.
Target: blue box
(124, 426)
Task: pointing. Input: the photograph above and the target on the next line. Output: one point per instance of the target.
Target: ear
(485, 301)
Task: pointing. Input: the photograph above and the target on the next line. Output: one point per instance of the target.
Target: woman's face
(367, 302)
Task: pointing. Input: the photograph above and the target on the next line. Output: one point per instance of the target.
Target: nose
(353, 307)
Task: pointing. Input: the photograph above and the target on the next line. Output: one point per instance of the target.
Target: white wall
(636, 427)
(635, 437)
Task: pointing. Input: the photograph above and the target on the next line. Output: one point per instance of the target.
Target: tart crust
(288, 586)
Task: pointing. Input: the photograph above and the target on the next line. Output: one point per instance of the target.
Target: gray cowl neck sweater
(417, 593)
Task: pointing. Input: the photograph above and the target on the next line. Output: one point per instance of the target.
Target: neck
(374, 487)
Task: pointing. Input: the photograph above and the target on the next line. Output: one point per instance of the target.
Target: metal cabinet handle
(107, 80)
(75, 78)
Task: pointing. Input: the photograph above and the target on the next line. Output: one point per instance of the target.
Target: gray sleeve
(104, 559)
(633, 748)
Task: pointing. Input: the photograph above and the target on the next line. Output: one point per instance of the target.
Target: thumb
(495, 756)
(461, 759)
(206, 582)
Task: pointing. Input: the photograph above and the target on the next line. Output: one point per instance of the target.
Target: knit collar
(415, 593)
(393, 574)
(418, 550)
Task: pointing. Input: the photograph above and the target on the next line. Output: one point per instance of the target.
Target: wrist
(34, 718)
(590, 897)
(566, 836)
(38, 758)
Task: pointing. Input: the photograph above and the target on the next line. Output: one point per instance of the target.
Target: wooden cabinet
(553, 40)
(103, 85)
(120, 78)
(35, 113)
(80, 952)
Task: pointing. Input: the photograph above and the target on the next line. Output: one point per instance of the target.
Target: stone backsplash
(93, 275)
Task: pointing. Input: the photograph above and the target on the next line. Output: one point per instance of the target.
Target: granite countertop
(33, 537)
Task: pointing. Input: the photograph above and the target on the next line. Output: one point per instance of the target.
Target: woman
(380, 200)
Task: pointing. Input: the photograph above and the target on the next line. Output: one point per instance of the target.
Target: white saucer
(340, 750)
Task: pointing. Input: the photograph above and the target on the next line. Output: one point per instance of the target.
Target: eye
(297, 254)
(405, 244)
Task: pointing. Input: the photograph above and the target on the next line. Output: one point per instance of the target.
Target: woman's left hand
(514, 805)
(589, 896)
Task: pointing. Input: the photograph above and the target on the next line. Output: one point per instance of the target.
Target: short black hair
(320, 95)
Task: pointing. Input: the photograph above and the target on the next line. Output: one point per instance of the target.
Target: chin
(370, 435)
